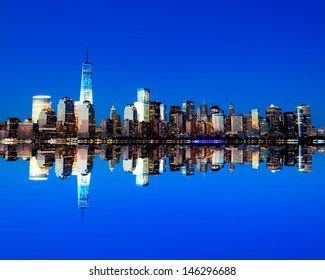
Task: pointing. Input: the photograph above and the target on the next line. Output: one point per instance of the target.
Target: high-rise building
(142, 104)
(255, 121)
(289, 121)
(188, 109)
(47, 120)
(143, 95)
(303, 120)
(231, 109)
(174, 110)
(274, 119)
(12, 127)
(218, 122)
(130, 113)
(163, 112)
(86, 88)
(26, 129)
(86, 120)
(112, 114)
(237, 123)
(154, 110)
(40, 102)
(65, 115)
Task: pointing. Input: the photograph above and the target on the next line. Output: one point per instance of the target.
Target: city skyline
(182, 129)
(146, 118)
(223, 52)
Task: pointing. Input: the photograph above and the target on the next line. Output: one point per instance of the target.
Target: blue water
(250, 214)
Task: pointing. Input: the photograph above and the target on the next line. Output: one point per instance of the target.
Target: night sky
(251, 53)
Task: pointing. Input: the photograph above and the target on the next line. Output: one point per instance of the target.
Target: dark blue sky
(251, 53)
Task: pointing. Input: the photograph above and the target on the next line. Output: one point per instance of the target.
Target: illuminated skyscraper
(163, 112)
(65, 115)
(86, 89)
(274, 119)
(47, 119)
(218, 122)
(143, 95)
(303, 120)
(40, 102)
(289, 121)
(142, 104)
(237, 123)
(188, 109)
(130, 113)
(231, 109)
(255, 121)
(86, 120)
(112, 114)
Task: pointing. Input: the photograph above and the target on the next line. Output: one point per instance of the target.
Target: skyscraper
(142, 104)
(303, 120)
(255, 121)
(289, 121)
(188, 109)
(86, 120)
(237, 123)
(163, 112)
(86, 89)
(40, 102)
(274, 119)
(130, 113)
(218, 122)
(65, 115)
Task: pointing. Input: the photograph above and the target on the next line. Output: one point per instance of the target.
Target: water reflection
(143, 161)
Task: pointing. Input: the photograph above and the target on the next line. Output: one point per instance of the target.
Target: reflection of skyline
(145, 161)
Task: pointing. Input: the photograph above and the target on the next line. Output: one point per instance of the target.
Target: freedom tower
(86, 91)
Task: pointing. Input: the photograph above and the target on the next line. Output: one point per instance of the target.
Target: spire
(87, 54)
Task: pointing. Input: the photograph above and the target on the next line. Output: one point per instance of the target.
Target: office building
(40, 102)
(255, 121)
(86, 88)
(86, 120)
(188, 109)
(274, 120)
(65, 116)
(218, 122)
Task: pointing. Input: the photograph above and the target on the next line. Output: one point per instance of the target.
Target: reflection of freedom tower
(83, 167)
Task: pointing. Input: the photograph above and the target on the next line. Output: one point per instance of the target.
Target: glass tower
(86, 91)
(142, 104)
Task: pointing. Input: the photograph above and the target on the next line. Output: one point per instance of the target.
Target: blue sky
(251, 53)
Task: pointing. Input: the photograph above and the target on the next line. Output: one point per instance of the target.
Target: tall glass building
(303, 120)
(142, 104)
(65, 115)
(86, 120)
(86, 91)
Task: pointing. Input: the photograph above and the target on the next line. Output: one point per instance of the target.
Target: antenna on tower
(87, 54)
